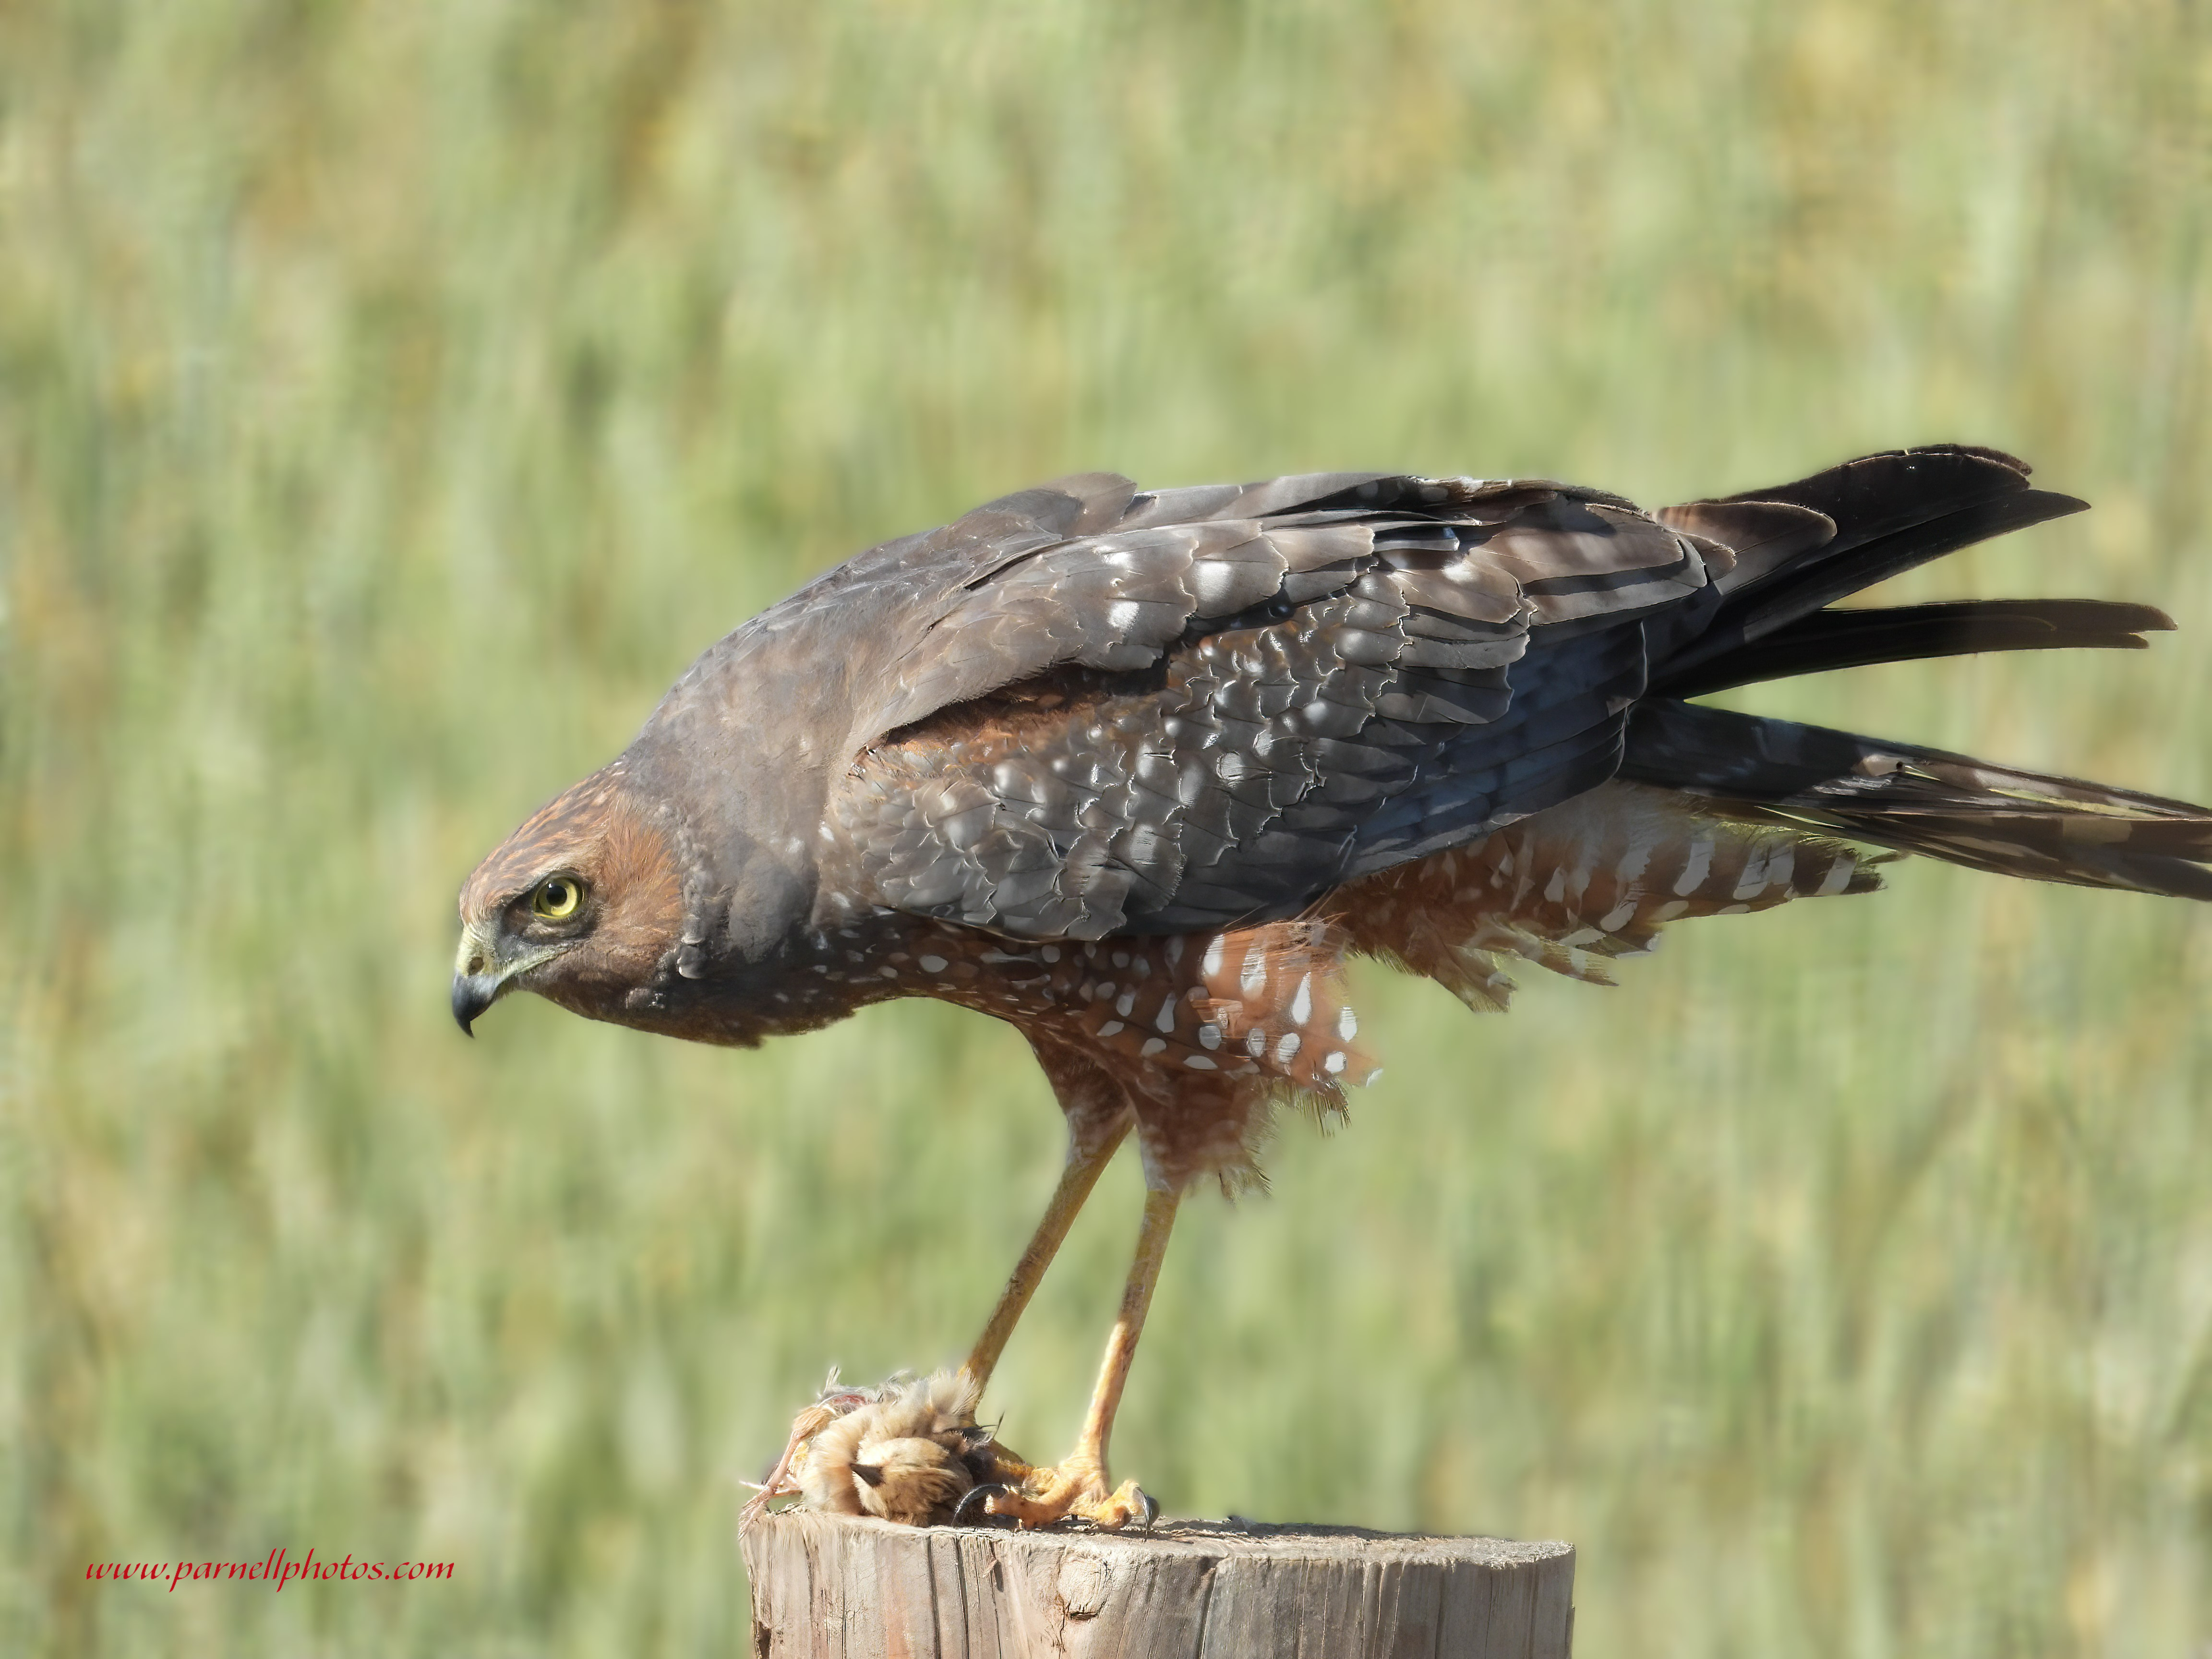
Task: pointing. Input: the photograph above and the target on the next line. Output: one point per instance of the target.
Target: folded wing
(1230, 699)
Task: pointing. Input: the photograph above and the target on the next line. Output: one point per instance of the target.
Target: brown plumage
(1135, 771)
(910, 1453)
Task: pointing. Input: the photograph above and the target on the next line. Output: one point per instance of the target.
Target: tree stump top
(836, 1586)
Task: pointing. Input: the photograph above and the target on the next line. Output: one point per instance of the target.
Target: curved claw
(970, 1511)
(1152, 1508)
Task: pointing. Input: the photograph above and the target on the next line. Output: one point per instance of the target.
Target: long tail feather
(1852, 639)
(1804, 545)
(1948, 806)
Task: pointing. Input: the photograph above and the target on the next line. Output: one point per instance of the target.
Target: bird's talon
(974, 1509)
(1057, 1495)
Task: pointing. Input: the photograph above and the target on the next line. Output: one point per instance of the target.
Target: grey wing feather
(1230, 699)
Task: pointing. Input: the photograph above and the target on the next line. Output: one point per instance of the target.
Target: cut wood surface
(835, 1587)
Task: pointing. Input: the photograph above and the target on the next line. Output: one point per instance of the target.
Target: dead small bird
(908, 1452)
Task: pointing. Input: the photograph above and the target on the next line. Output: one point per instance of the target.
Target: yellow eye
(557, 898)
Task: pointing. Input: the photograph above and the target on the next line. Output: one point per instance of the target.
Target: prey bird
(1137, 771)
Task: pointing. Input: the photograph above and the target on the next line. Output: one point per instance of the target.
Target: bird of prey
(1137, 771)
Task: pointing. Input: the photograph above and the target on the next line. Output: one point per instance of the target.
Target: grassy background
(393, 399)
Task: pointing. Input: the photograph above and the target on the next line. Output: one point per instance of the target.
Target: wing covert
(1230, 699)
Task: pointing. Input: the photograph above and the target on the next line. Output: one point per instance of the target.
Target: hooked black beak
(472, 995)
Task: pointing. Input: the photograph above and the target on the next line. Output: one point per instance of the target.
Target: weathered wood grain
(833, 1587)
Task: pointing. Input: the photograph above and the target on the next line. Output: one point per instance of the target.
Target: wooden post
(836, 1587)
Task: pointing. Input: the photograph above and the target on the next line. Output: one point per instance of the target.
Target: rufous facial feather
(582, 904)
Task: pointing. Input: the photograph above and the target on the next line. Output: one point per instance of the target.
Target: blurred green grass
(393, 400)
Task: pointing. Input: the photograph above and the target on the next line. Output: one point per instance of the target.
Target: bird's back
(1228, 702)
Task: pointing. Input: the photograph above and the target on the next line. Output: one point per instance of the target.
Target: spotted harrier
(1136, 771)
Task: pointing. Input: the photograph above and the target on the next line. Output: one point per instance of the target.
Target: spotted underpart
(1198, 1037)
(1207, 1030)
(1573, 888)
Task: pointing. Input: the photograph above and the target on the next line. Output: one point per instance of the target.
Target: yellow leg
(1076, 1181)
(1080, 1485)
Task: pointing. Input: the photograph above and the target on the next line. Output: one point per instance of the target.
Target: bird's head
(582, 904)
